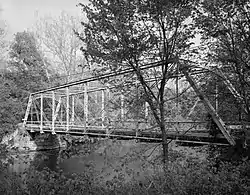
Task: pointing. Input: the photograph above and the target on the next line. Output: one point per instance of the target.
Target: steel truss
(82, 109)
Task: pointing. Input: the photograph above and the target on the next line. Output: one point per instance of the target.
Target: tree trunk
(165, 153)
(164, 145)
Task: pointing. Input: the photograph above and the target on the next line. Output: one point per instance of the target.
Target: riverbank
(185, 175)
(126, 167)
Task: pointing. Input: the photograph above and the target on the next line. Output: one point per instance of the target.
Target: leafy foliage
(26, 73)
(26, 63)
(224, 29)
(10, 106)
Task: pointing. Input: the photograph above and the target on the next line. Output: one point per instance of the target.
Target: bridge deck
(194, 136)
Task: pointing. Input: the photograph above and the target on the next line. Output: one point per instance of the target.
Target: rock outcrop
(22, 140)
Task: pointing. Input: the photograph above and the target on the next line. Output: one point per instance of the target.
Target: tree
(24, 73)
(120, 34)
(225, 29)
(60, 44)
(26, 70)
(11, 110)
(3, 46)
(26, 63)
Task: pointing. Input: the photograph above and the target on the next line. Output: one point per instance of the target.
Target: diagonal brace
(221, 125)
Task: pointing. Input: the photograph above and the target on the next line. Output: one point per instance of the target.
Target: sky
(20, 15)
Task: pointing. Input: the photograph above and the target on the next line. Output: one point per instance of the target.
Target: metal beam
(107, 111)
(27, 110)
(227, 82)
(53, 112)
(221, 125)
(103, 76)
(85, 106)
(232, 89)
(67, 109)
(37, 113)
(41, 113)
(146, 110)
(73, 110)
(57, 108)
(193, 107)
(216, 98)
(122, 106)
(103, 108)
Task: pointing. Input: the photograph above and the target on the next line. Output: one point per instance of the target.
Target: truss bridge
(97, 108)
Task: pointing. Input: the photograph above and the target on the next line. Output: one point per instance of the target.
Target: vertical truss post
(67, 109)
(137, 109)
(107, 111)
(146, 114)
(122, 107)
(146, 110)
(103, 108)
(57, 108)
(53, 112)
(37, 114)
(85, 106)
(27, 110)
(31, 117)
(221, 125)
(216, 97)
(73, 110)
(61, 115)
(31, 114)
(177, 90)
(41, 113)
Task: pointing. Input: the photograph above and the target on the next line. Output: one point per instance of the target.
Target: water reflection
(21, 162)
(46, 159)
(105, 160)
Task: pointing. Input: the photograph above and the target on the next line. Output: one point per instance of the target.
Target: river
(105, 159)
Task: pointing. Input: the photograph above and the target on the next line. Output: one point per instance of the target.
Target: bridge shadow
(44, 141)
